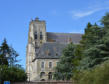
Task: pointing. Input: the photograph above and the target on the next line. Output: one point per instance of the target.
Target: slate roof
(64, 37)
(50, 51)
(53, 50)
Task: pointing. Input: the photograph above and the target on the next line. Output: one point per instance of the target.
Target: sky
(68, 16)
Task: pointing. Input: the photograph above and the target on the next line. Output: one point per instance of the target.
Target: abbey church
(44, 50)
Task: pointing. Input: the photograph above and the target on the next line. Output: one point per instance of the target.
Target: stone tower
(36, 37)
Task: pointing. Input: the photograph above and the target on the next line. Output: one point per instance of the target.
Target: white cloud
(82, 13)
(90, 10)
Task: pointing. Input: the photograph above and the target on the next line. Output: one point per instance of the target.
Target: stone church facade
(44, 49)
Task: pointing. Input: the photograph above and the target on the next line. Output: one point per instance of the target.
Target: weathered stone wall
(39, 27)
(46, 68)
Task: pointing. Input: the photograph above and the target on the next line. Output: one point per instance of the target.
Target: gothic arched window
(41, 37)
(35, 35)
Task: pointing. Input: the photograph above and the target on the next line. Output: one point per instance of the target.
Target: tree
(105, 21)
(93, 33)
(12, 59)
(7, 54)
(9, 70)
(92, 58)
(13, 74)
(4, 51)
(65, 66)
(95, 51)
(98, 75)
(90, 42)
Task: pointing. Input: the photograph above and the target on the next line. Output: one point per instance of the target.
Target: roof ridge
(53, 43)
(64, 33)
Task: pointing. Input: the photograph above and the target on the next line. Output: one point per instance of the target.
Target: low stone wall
(46, 82)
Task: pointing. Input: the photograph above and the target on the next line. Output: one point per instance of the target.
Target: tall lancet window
(41, 37)
(35, 35)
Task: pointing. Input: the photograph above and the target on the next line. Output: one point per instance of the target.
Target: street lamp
(7, 55)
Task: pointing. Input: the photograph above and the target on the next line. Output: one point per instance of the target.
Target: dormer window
(35, 35)
(41, 37)
(49, 53)
(56, 54)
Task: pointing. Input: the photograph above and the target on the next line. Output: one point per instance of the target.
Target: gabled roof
(53, 50)
(64, 37)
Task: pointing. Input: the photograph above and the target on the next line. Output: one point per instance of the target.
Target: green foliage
(91, 42)
(94, 56)
(93, 34)
(12, 74)
(105, 21)
(99, 75)
(4, 50)
(65, 66)
(7, 54)
(93, 67)
(12, 57)
(9, 70)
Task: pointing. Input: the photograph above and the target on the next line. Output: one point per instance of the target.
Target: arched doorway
(49, 75)
(42, 74)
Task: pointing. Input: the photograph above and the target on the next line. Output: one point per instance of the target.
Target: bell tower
(39, 32)
(36, 37)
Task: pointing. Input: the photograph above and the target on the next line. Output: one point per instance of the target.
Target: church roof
(55, 44)
(50, 51)
(64, 37)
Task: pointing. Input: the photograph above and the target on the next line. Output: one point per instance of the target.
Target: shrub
(98, 75)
